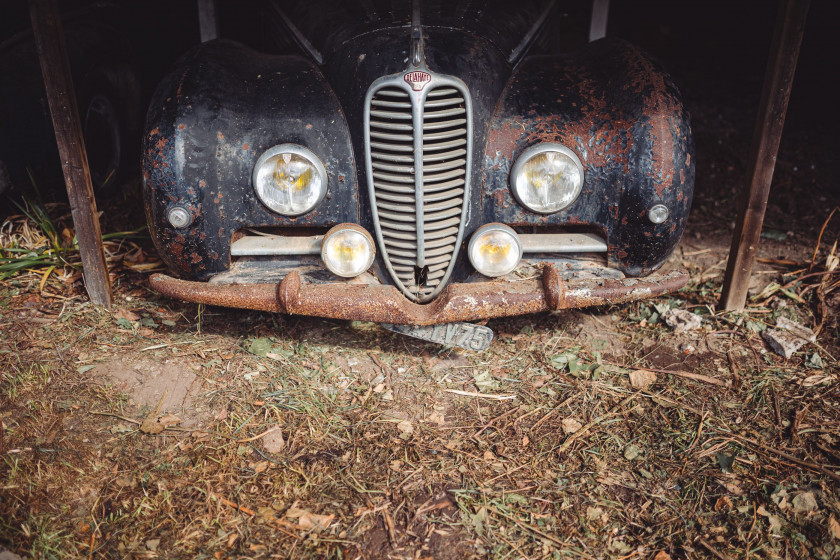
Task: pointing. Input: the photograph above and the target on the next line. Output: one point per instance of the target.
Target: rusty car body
(462, 170)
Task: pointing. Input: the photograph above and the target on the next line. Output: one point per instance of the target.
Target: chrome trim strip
(562, 243)
(276, 245)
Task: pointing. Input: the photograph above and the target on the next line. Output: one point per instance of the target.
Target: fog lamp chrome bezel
(490, 228)
(293, 149)
(533, 151)
(342, 228)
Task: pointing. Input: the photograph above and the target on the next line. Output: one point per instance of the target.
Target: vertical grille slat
(419, 219)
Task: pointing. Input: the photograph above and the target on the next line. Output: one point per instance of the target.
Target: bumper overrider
(458, 302)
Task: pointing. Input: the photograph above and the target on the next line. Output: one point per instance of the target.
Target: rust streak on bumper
(385, 304)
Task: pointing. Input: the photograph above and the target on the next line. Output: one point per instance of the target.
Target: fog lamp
(347, 250)
(495, 250)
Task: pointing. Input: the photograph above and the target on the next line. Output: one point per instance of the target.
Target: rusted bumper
(385, 304)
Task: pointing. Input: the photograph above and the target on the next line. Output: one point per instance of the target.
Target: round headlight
(347, 250)
(290, 179)
(546, 178)
(495, 250)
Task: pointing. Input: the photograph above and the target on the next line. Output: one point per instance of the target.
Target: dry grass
(379, 459)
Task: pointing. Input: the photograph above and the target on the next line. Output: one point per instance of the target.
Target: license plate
(462, 335)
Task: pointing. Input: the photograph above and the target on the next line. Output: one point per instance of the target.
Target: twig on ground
(789, 457)
(553, 410)
(529, 529)
(699, 432)
(686, 374)
(133, 421)
(711, 549)
(480, 395)
(262, 435)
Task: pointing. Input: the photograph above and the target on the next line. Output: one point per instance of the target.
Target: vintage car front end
(417, 174)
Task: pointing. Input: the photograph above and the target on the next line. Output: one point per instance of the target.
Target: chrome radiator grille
(418, 153)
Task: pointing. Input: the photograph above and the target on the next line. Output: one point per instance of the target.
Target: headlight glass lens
(290, 179)
(347, 250)
(547, 178)
(495, 250)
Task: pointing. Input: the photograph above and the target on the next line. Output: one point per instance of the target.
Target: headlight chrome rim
(533, 151)
(294, 150)
(341, 228)
(491, 228)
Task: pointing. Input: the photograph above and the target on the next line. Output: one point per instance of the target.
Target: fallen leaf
(723, 503)
(631, 452)
(154, 424)
(732, 487)
(406, 428)
(570, 425)
(294, 511)
(834, 527)
(485, 382)
(273, 441)
(779, 497)
(805, 502)
(642, 379)
(266, 515)
(152, 544)
(260, 346)
(596, 514)
(478, 519)
(817, 379)
(260, 467)
(774, 521)
(662, 555)
(126, 314)
(437, 418)
(315, 522)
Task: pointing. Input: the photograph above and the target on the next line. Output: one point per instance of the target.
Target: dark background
(717, 52)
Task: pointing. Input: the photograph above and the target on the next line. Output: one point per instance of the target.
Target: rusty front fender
(458, 302)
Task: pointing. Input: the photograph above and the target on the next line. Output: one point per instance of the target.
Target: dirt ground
(166, 430)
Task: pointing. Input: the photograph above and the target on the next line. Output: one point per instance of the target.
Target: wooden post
(790, 26)
(55, 67)
(598, 21)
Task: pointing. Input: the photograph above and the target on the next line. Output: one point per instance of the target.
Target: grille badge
(417, 79)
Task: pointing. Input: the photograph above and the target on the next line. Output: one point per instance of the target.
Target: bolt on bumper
(386, 304)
